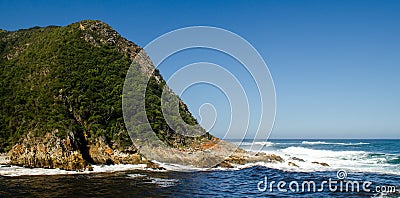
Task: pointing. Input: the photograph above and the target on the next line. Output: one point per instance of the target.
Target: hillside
(61, 97)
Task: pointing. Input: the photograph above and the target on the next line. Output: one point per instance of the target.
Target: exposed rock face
(153, 165)
(225, 164)
(67, 154)
(47, 152)
(101, 153)
(242, 157)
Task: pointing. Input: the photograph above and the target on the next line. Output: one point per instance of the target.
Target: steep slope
(61, 90)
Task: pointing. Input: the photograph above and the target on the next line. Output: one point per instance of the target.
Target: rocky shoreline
(66, 154)
(72, 160)
(241, 157)
(59, 156)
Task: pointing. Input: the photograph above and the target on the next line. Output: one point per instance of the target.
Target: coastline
(289, 156)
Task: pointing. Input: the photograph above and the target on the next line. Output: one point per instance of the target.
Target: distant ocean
(372, 163)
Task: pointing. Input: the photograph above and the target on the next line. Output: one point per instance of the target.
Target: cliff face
(51, 151)
(61, 92)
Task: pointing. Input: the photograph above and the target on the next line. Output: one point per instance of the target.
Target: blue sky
(335, 64)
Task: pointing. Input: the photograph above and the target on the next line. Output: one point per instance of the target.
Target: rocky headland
(61, 103)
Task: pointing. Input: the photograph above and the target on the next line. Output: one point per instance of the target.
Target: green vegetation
(52, 80)
(155, 114)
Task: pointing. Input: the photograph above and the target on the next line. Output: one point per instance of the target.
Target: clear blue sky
(335, 64)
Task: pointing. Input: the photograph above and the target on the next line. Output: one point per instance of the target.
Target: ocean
(351, 168)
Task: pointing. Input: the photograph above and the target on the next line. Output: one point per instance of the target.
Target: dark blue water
(220, 183)
(238, 183)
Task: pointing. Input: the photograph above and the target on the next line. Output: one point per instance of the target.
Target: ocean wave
(310, 160)
(394, 161)
(15, 171)
(136, 175)
(356, 161)
(298, 150)
(305, 159)
(333, 143)
(262, 143)
(162, 182)
(178, 167)
(265, 143)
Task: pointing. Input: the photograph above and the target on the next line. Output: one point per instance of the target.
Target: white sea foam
(333, 143)
(13, 171)
(178, 167)
(136, 175)
(355, 161)
(262, 143)
(162, 182)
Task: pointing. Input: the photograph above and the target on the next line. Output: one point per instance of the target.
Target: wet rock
(298, 159)
(242, 157)
(224, 164)
(292, 164)
(153, 165)
(89, 168)
(321, 163)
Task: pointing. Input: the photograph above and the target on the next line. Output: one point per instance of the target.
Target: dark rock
(298, 159)
(153, 165)
(292, 164)
(321, 163)
(242, 157)
(89, 168)
(224, 164)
